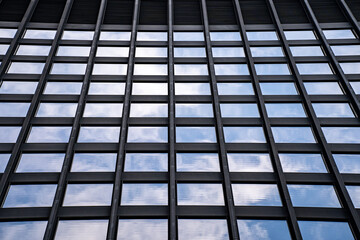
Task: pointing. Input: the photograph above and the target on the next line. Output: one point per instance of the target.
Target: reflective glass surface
(313, 196)
(150, 69)
(293, 135)
(197, 162)
(351, 67)
(200, 194)
(225, 36)
(3, 49)
(193, 110)
(68, 68)
(228, 52)
(189, 52)
(107, 88)
(112, 52)
(109, 69)
(201, 229)
(346, 50)
(150, 52)
(10, 109)
(195, 134)
(235, 89)
(9, 134)
(261, 36)
(356, 87)
(33, 230)
(339, 34)
(188, 36)
(263, 229)
(49, 135)
(103, 110)
(300, 35)
(301, 162)
(249, 162)
(40, 162)
(354, 192)
(244, 135)
(342, 134)
(17, 87)
(56, 110)
(278, 89)
(66, 88)
(148, 110)
(285, 110)
(88, 195)
(34, 50)
(99, 134)
(192, 89)
(81, 229)
(314, 68)
(323, 88)
(247, 110)
(147, 134)
(78, 35)
(319, 230)
(93, 162)
(139, 229)
(151, 36)
(306, 51)
(39, 34)
(272, 69)
(256, 195)
(144, 194)
(231, 69)
(4, 158)
(266, 52)
(72, 51)
(348, 163)
(146, 162)
(115, 36)
(26, 68)
(7, 32)
(332, 110)
(149, 89)
(190, 69)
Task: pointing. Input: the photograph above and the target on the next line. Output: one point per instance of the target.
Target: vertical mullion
(350, 16)
(284, 192)
(171, 127)
(234, 233)
(34, 104)
(115, 202)
(335, 64)
(14, 42)
(60, 190)
(339, 183)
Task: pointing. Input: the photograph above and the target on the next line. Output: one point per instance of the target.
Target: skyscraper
(179, 119)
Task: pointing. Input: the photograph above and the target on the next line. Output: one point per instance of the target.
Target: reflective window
(150, 69)
(247, 110)
(109, 69)
(314, 68)
(68, 68)
(81, 229)
(192, 89)
(249, 162)
(149, 89)
(66, 88)
(88, 195)
(225, 36)
(40, 34)
(228, 52)
(318, 230)
(293, 135)
(10, 109)
(342, 134)
(33, 230)
(296, 162)
(195, 134)
(151, 36)
(346, 50)
(188, 36)
(112, 52)
(306, 51)
(115, 36)
(190, 69)
(244, 135)
(332, 110)
(209, 229)
(339, 34)
(263, 229)
(40, 162)
(7, 32)
(40, 195)
(266, 52)
(26, 68)
(300, 35)
(261, 36)
(313, 196)
(354, 194)
(235, 89)
(3, 49)
(4, 158)
(99, 134)
(34, 50)
(285, 110)
(231, 69)
(200, 194)
(350, 67)
(56, 110)
(151, 52)
(278, 88)
(144, 194)
(147, 134)
(49, 134)
(197, 162)
(107, 89)
(10, 87)
(193, 110)
(146, 162)
(137, 229)
(189, 52)
(320, 88)
(272, 69)
(354, 85)
(347, 163)
(256, 195)
(103, 110)
(9, 134)
(72, 51)
(148, 110)
(78, 35)
(93, 162)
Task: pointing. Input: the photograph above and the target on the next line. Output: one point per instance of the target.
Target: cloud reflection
(88, 195)
(146, 162)
(9, 134)
(200, 194)
(201, 229)
(148, 110)
(147, 134)
(17, 230)
(256, 195)
(103, 110)
(249, 162)
(49, 135)
(81, 229)
(15, 87)
(244, 135)
(4, 158)
(144, 194)
(94, 162)
(9, 109)
(26, 68)
(197, 162)
(263, 230)
(66, 88)
(140, 229)
(57, 110)
(99, 134)
(195, 134)
(40, 162)
(297, 162)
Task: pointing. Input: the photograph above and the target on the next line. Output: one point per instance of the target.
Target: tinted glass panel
(320, 88)
(148, 110)
(332, 110)
(192, 89)
(40, 162)
(194, 110)
(347, 163)
(195, 134)
(339, 34)
(3, 49)
(73, 51)
(231, 69)
(345, 50)
(35, 50)
(115, 36)
(109, 69)
(99, 134)
(285, 110)
(235, 89)
(88, 194)
(9, 109)
(142, 229)
(26, 68)
(150, 52)
(351, 68)
(314, 68)
(272, 69)
(49, 134)
(302, 163)
(78, 35)
(112, 52)
(4, 158)
(209, 229)
(81, 229)
(149, 89)
(144, 194)
(244, 135)
(300, 35)
(56, 110)
(63, 88)
(313, 196)
(256, 195)
(147, 134)
(306, 51)
(68, 68)
(9, 134)
(146, 162)
(200, 194)
(188, 36)
(342, 134)
(278, 89)
(197, 162)
(150, 69)
(39, 34)
(266, 52)
(103, 110)
(311, 230)
(189, 52)
(8, 87)
(228, 52)
(249, 162)
(107, 88)
(93, 162)
(239, 110)
(191, 69)
(151, 36)
(7, 32)
(354, 194)
(263, 229)
(293, 135)
(261, 36)
(33, 230)
(356, 87)
(225, 36)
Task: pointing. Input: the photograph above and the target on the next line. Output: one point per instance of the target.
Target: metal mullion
(339, 182)
(284, 192)
(350, 16)
(60, 191)
(335, 64)
(233, 228)
(14, 42)
(115, 202)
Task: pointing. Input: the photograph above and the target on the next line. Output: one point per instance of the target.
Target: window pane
(300, 35)
(65, 88)
(68, 68)
(73, 51)
(209, 229)
(88, 195)
(78, 35)
(33, 230)
(146, 162)
(261, 36)
(285, 110)
(192, 89)
(354, 194)
(325, 230)
(10, 109)
(40, 34)
(231, 69)
(4, 158)
(34, 50)
(313, 196)
(342, 134)
(188, 36)
(109, 69)
(347, 163)
(249, 162)
(189, 52)
(30, 196)
(351, 67)
(112, 52)
(278, 89)
(9, 134)
(200, 194)
(332, 110)
(354, 85)
(49, 134)
(256, 195)
(3, 49)
(235, 89)
(7, 32)
(10, 87)
(150, 69)
(149, 89)
(151, 36)
(115, 36)
(144, 194)
(293, 135)
(266, 52)
(26, 68)
(147, 134)
(194, 110)
(81, 229)
(107, 89)
(148, 110)
(103, 110)
(346, 50)
(228, 52)
(99, 134)
(320, 88)
(56, 110)
(151, 52)
(197, 162)
(263, 229)
(40, 162)
(306, 51)
(191, 69)
(339, 34)
(244, 135)
(225, 36)
(248, 110)
(311, 163)
(272, 69)
(195, 134)
(93, 162)
(314, 68)
(137, 229)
